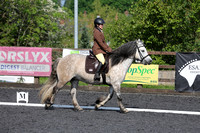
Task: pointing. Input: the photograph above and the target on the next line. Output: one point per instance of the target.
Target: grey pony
(71, 68)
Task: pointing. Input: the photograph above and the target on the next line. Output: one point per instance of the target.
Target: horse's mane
(122, 53)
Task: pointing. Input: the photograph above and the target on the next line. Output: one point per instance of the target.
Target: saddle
(91, 64)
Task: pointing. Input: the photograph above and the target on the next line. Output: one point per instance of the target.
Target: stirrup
(97, 77)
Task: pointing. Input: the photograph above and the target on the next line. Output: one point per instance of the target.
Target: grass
(42, 80)
(168, 87)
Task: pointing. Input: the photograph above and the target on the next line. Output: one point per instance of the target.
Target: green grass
(42, 80)
(168, 87)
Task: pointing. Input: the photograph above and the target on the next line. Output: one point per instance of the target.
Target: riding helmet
(99, 21)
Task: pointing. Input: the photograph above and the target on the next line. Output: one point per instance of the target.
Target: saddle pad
(92, 63)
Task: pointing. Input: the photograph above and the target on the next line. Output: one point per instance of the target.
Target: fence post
(36, 80)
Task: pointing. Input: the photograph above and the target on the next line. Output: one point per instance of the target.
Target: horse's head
(141, 53)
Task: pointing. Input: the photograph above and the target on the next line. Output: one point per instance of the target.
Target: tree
(121, 5)
(31, 23)
(87, 5)
(83, 5)
(163, 25)
(85, 40)
(106, 12)
(167, 26)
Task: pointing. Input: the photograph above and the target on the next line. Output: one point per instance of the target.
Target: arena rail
(163, 53)
(59, 50)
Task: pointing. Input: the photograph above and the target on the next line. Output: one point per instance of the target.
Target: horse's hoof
(78, 108)
(124, 110)
(48, 106)
(97, 106)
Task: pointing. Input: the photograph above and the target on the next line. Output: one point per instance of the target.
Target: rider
(100, 48)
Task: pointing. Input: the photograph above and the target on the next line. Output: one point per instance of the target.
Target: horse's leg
(118, 93)
(74, 85)
(55, 91)
(110, 95)
(50, 101)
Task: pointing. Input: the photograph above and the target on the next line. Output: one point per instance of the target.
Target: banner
(25, 61)
(17, 79)
(70, 51)
(142, 74)
(187, 76)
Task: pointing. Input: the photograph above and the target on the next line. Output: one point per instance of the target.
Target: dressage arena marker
(105, 108)
(22, 96)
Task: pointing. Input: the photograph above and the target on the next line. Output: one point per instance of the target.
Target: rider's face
(101, 26)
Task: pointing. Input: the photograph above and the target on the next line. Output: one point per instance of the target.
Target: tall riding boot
(97, 74)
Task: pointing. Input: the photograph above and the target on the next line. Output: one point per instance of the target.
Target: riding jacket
(100, 45)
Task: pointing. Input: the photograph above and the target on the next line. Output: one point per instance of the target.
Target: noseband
(141, 56)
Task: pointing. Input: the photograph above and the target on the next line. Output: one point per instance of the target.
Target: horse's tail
(47, 89)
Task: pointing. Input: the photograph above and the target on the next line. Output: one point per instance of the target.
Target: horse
(71, 68)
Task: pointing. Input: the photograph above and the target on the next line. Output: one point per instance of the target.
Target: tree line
(163, 25)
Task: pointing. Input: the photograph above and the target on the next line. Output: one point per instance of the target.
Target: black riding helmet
(98, 21)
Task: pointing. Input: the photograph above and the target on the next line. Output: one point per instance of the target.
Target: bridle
(140, 54)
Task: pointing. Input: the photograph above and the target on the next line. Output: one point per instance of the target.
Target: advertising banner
(25, 61)
(17, 79)
(187, 76)
(70, 51)
(142, 74)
